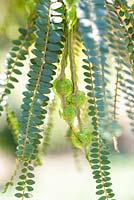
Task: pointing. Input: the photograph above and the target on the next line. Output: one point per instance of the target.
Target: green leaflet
(43, 148)
(129, 93)
(26, 183)
(15, 62)
(41, 73)
(95, 85)
(126, 64)
(12, 123)
(48, 129)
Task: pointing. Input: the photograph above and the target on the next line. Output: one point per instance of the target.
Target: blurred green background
(59, 178)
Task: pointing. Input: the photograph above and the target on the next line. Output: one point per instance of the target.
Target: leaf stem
(63, 61)
(72, 61)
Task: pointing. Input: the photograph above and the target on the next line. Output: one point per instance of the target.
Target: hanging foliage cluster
(60, 38)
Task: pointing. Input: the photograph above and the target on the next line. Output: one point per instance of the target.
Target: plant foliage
(58, 33)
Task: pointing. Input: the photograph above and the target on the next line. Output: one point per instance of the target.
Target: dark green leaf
(10, 85)
(14, 79)
(29, 188)
(19, 195)
(102, 198)
(16, 42)
(28, 195)
(16, 71)
(19, 188)
(100, 192)
(30, 182)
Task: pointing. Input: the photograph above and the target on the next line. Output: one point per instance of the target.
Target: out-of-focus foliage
(48, 40)
(12, 16)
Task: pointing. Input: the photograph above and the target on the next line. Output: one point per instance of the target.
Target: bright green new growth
(12, 123)
(70, 2)
(85, 136)
(77, 99)
(57, 35)
(69, 113)
(63, 86)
